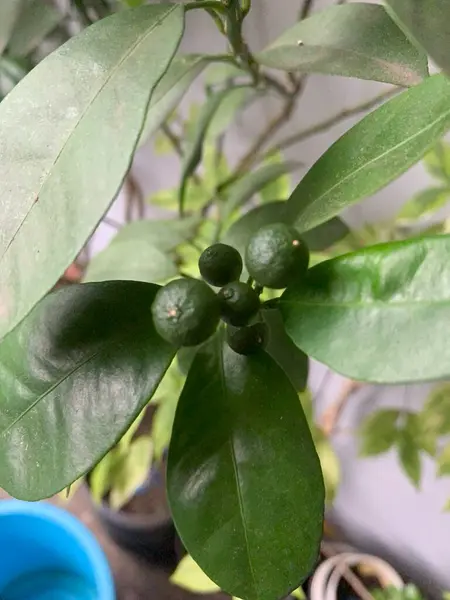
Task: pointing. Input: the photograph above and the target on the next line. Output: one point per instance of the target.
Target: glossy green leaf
(424, 204)
(74, 121)
(409, 452)
(354, 40)
(427, 23)
(9, 13)
(193, 150)
(282, 349)
(189, 576)
(250, 184)
(247, 454)
(372, 153)
(380, 314)
(131, 260)
(379, 432)
(35, 22)
(170, 91)
(73, 377)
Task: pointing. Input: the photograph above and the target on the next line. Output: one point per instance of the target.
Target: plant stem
(284, 115)
(214, 4)
(334, 120)
(175, 140)
(305, 9)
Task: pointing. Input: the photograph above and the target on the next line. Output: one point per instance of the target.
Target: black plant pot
(150, 537)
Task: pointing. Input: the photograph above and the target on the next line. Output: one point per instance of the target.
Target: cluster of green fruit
(186, 312)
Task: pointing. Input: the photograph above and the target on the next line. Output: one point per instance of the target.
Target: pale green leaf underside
(67, 135)
(354, 40)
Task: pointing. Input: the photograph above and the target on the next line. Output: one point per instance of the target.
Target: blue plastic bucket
(47, 554)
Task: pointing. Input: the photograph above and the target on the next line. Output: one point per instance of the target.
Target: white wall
(375, 503)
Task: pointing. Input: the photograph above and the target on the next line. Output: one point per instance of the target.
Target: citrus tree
(77, 366)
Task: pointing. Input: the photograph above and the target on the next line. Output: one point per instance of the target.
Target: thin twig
(273, 126)
(334, 120)
(177, 145)
(331, 416)
(134, 196)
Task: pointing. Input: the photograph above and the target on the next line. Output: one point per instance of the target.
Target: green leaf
(165, 234)
(189, 576)
(74, 121)
(131, 260)
(409, 452)
(9, 13)
(170, 91)
(132, 472)
(193, 150)
(428, 25)
(250, 184)
(379, 314)
(437, 162)
(435, 415)
(101, 475)
(424, 204)
(36, 21)
(247, 454)
(345, 40)
(74, 375)
(372, 153)
(280, 187)
(379, 432)
(325, 235)
(167, 399)
(223, 72)
(443, 462)
(282, 349)
(234, 102)
(331, 468)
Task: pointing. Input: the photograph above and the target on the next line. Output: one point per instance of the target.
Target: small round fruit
(276, 255)
(186, 312)
(219, 264)
(239, 303)
(247, 340)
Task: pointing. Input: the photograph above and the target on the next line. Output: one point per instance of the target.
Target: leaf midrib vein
(236, 470)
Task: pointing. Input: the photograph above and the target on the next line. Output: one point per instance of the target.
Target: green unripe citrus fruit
(219, 264)
(247, 340)
(239, 303)
(186, 312)
(276, 256)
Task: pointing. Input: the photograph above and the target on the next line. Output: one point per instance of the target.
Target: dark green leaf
(326, 234)
(73, 376)
(409, 452)
(193, 151)
(9, 13)
(374, 152)
(247, 454)
(428, 24)
(131, 260)
(37, 20)
(170, 90)
(282, 349)
(249, 185)
(354, 40)
(381, 314)
(74, 121)
(379, 432)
